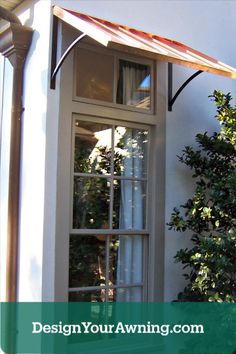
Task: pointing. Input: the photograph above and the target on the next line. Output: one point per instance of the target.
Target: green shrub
(211, 212)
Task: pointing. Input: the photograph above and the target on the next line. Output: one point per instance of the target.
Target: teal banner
(118, 328)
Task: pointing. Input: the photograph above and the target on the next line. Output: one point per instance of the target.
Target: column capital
(15, 41)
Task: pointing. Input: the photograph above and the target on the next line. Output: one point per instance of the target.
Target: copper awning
(128, 39)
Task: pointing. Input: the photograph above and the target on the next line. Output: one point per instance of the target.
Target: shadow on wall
(26, 13)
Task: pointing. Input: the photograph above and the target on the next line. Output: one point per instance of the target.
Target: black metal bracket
(171, 98)
(55, 67)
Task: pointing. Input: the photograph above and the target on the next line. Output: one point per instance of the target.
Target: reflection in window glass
(133, 88)
(91, 203)
(94, 75)
(87, 261)
(129, 205)
(133, 294)
(88, 296)
(92, 152)
(130, 152)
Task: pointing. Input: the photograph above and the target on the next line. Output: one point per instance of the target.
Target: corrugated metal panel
(128, 39)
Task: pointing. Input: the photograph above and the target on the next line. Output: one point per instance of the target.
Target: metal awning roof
(128, 39)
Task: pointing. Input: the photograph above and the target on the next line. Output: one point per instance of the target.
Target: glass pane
(129, 207)
(94, 75)
(88, 296)
(133, 294)
(126, 260)
(128, 294)
(134, 83)
(87, 259)
(91, 203)
(130, 152)
(92, 152)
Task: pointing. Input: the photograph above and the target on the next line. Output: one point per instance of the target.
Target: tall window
(108, 239)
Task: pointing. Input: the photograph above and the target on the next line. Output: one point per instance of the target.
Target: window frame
(62, 106)
(111, 122)
(117, 56)
(145, 233)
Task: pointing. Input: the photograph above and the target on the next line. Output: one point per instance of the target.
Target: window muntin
(112, 176)
(130, 294)
(109, 212)
(108, 263)
(105, 77)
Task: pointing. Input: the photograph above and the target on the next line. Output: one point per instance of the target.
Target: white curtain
(130, 254)
(131, 77)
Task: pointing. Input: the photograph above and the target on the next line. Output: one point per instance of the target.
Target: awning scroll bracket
(171, 98)
(55, 67)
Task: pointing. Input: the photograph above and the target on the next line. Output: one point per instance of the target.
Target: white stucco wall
(208, 26)
(37, 16)
(200, 24)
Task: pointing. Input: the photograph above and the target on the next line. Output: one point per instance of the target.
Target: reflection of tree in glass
(87, 262)
(91, 202)
(92, 194)
(114, 246)
(90, 209)
(83, 149)
(85, 252)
